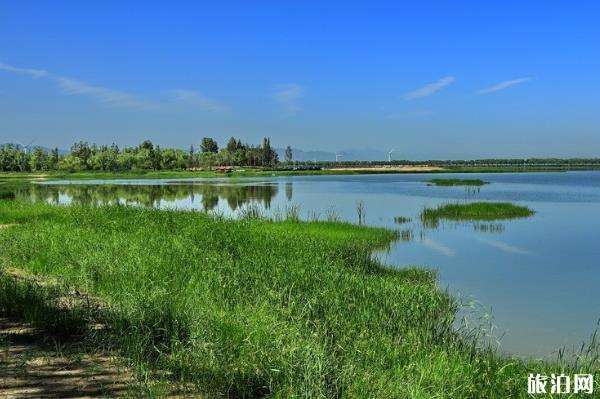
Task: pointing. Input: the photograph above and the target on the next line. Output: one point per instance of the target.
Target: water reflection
(208, 195)
(489, 227)
(539, 274)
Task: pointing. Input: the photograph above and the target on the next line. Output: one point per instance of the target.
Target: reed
(252, 307)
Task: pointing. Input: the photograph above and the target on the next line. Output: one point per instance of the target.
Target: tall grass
(256, 308)
(474, 211)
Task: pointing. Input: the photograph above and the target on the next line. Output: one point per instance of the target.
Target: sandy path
(405, 169)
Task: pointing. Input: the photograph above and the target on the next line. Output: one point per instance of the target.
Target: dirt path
(32, 365)
(406, 169)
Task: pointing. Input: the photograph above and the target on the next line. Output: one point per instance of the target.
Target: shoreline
(168, 174)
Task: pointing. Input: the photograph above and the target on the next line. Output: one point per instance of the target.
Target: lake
(537, 277)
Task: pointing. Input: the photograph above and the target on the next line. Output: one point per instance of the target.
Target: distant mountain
(345, 155)
(370, 154)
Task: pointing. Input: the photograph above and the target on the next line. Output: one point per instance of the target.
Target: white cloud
(104, 95)
(430, 88)
(34, 73)
(504, 246)
(198, 100)
(438, 247)
(118, 98)
(504, 85)
(288, 95)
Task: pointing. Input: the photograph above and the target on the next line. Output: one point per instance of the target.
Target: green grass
(458, 182)
(475, 211)
(254, 308)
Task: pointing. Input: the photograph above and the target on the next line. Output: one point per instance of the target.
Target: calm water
(538, 277)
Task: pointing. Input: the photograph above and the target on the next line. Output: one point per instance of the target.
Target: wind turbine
(26, 147)
(338, 156)
(390, 155)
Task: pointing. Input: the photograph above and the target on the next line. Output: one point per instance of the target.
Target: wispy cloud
(105, 95)
(430, 88)
(438, 247)
(198, 100)
(119, 98)
(34, 73)
(288, 96)
(504, 246)
(504, 85)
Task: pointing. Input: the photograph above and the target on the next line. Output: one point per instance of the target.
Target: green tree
(192, 162)
(38, 160)
(53, 159)
(71, 163)
(82, 151)
(268, 154)
(104, 159)
(288, 154)
(209, 145)
(208, 159)
(232, 145)
(126, 159)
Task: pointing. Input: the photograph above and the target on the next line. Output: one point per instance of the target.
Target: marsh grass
(292, 213)
(474, 211)
(360, 212)
(457, 182)
(256, 308)
(251, 211)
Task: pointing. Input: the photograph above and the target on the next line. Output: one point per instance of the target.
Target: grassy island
(247, 308)
(476, 211)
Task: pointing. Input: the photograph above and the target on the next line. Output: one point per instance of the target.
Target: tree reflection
(235, 195)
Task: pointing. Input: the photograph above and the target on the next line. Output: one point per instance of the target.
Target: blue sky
(430, 79)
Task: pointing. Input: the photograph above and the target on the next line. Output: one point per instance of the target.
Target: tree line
(145, 156)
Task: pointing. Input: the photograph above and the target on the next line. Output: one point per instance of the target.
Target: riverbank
(251, 307)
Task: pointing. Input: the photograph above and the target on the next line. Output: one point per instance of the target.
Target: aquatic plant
(292, 213)
(251, 211)
(360, 212)
(474, 211)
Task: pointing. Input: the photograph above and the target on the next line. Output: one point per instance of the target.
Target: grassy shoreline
(474, 211)
(257, 172)
(253, 308)
(477, 211)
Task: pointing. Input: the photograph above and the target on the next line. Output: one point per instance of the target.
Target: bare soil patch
(33, 364)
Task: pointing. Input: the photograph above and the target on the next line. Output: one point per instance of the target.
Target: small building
(224, 169)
